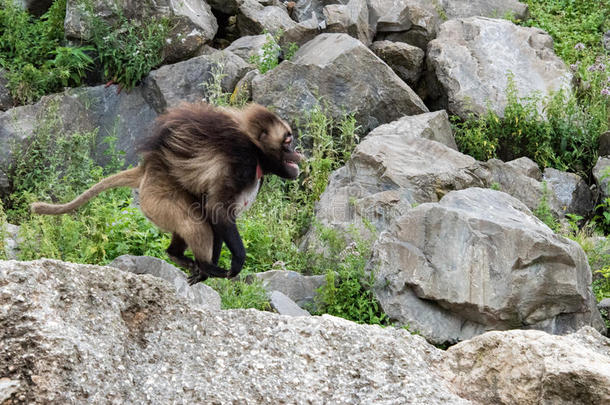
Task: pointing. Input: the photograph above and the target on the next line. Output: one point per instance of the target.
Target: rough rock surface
(79, 333)
(171, 85)
(485, 8)
(527, 167)
(414, 22)
(473, 57)
(532, 367)
(406, 60)
(254, 18)
(192, 21)
(343, 72)
(284, 305)
(126, 115)
(479, 260)
(248, 46)
(573, 194)
(299, 288)
(351, 18)
(601, 173)
(199, 293)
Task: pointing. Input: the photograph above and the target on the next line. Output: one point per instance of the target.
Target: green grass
(33, 52)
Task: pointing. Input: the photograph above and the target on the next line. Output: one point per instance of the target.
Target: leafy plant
(238, 294)
(543, 210)
(348, 289)
(31, 51)
(269, 57)
(128, 49)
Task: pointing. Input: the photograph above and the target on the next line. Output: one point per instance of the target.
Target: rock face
(351, 18)
(473, 57)
(254, 18)
(485, 8)
(186, 81)
(406, 60)
(479, 260)
(126, 115)
(79, 333)
(572, 192)
(192, 21)
(199, 294)
(601, 173)
(531, 367)
(343, 72)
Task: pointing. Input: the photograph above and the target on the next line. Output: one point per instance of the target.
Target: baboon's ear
(263, 136)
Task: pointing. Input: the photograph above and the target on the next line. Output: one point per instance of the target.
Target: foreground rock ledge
(78, 333)
(73, 333)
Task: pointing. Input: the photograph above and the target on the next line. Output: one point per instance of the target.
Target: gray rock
(250, 45)
(531, 367)
(5, 186)
(527, 167)
(126, 115)
(415, 22)
(192, 21)
(406, 60)
(485, 8)
(307, 9)
(343, 72)
(6, 100)
(79, 333)
(8, 387)
(11, 241)
(299, 288)
(303, 32)
(351, 18)
(243, 88)
(285, 306)
(199, 293)
(186, 81)
(601, 174)
(396, 166)
(605, 304)
(254, 18)
(513, 181)
(479, 260)
(606, 40)
(573, 194)
(473, 57)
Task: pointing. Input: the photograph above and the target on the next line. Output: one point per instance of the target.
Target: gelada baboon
(201, 167)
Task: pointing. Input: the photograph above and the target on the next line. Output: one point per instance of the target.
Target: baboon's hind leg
(175, 251)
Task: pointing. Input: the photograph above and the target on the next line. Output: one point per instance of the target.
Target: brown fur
(195, 165)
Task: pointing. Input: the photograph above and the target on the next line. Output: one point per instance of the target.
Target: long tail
(126, 178)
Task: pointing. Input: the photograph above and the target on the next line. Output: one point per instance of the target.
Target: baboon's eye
(263, 135)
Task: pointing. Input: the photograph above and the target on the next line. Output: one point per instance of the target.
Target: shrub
(128, 49)
(32, 53)
(271, 51)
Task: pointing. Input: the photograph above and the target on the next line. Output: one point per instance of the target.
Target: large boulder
(192, 22)
(250, 46)
(254, 18)
(479, 260)
(414, 22)
(473, 58)
(199, 293)
(79, 333)
(406, 60)
(345, 74)
(188, 81)
(573, 194)
(531, 367)
(601, 174)
(485, 8)
(126, 116)
(351, 18)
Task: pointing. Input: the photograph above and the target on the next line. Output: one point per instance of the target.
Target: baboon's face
(278, 144)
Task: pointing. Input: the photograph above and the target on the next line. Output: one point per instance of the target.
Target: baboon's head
(276, 141)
